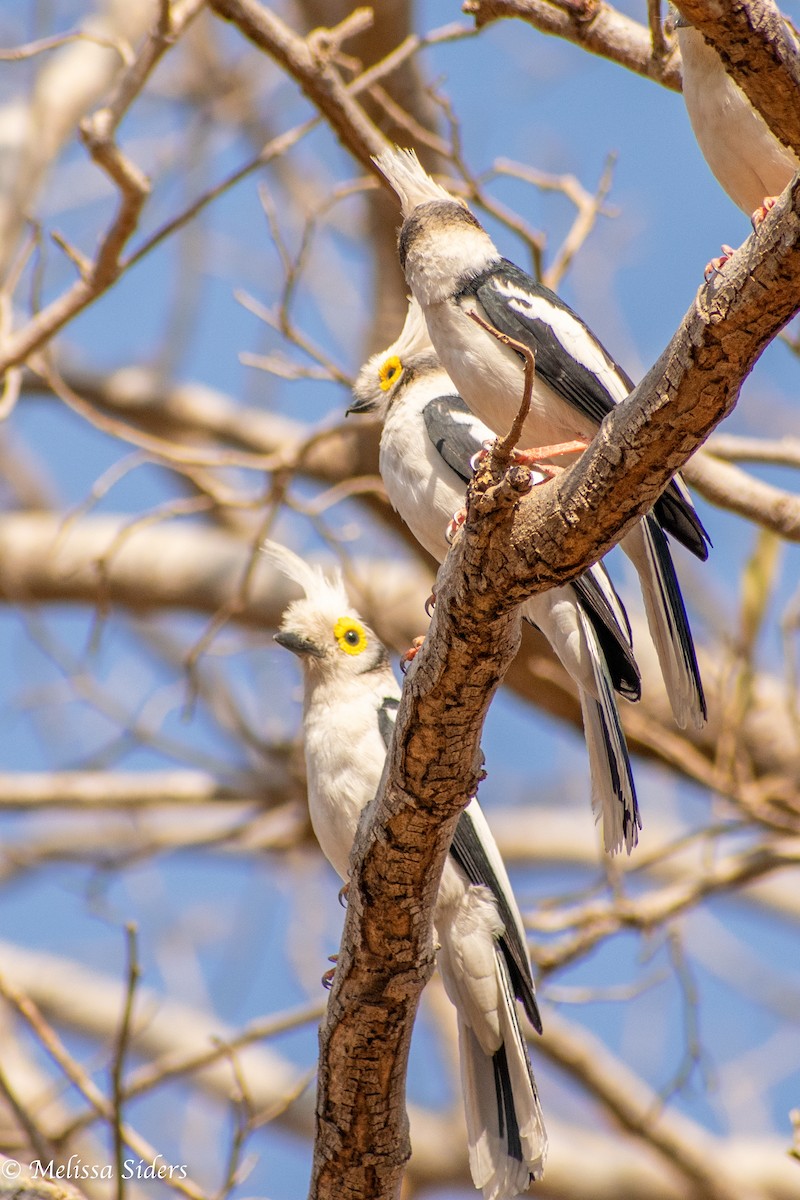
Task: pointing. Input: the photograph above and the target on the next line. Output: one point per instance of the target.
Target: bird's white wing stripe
(573, 336)
(466, 418)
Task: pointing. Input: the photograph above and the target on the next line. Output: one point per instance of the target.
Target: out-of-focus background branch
(195, 259)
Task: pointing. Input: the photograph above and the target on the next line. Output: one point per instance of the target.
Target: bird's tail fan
(505, 1127)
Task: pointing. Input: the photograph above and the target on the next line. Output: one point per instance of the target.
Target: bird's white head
(386, 374)
(442, 245)
(323, 629)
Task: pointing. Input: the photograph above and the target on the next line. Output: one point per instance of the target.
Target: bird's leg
(327, 978)
(524, 458)
(716, 264)
(411, 653)
(756, 219)
(533, 456)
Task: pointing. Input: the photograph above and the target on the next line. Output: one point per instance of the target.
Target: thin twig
(504, 447)
(120, 1052)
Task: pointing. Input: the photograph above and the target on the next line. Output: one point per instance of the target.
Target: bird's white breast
(345, 753)
(746, 158)
(421, 486)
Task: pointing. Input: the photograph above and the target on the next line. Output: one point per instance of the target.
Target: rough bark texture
(506, 552)
(387, 953)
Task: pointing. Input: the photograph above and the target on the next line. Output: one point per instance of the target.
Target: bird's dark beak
(365, 405)
(298, 645)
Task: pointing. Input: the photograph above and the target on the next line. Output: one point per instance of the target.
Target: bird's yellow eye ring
(350, 635)
(390, 373)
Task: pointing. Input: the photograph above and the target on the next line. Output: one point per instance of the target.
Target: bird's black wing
(387, 715)
(469, 852)
(567, 352)
(455, 432)
(571, 361)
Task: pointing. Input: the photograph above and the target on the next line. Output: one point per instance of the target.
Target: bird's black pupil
(351, 637)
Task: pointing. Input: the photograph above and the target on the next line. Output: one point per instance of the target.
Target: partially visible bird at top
(350, 703)
(455, 273)
(749, 162)
(429, 437)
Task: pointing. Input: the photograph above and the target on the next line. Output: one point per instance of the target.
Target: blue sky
(519, 95)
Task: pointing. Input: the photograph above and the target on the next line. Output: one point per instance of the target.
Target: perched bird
(429, 436)
(350, 703)
(745, 156)
(454, 269)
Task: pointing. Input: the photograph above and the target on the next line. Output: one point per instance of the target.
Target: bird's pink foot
(758, 216)
(456, 521)
(716, 264)
(411, 653)
(327, 978)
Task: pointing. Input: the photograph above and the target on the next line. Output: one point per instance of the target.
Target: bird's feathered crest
(414, 338)
(376, 381)
(413, 342)
(317, 587)
(406, 174)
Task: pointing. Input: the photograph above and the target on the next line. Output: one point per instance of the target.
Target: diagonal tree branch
(307, 61)
(694, 384)
(505, 553)
(98, 132)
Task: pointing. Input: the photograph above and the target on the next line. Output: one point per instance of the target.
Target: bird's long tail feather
(613, 789)
(564, 618)
(648, 550)
(505, 1127)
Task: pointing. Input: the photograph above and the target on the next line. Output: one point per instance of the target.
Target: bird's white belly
(343, 776)
(744, 155)
(420, 485)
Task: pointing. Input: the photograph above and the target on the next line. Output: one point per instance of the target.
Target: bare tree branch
(735, 490)
(311, 64)
(598, 28)
(433, 764)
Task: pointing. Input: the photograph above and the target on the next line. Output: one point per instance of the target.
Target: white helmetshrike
(747, 159)
(428, 439)
(350, 702)
(453, 270)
